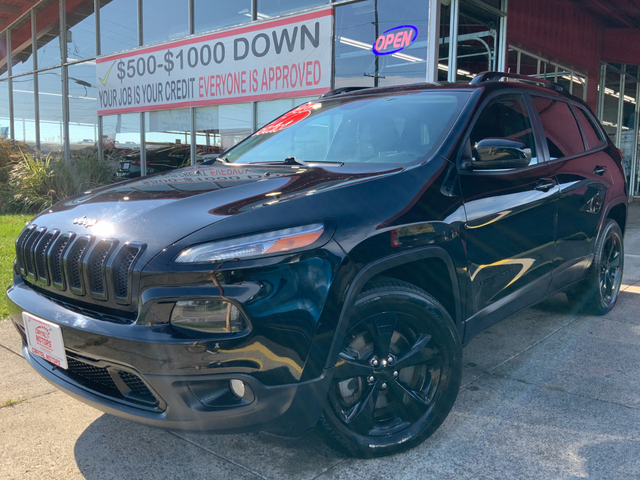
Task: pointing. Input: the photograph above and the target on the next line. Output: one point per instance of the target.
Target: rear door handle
(545, 184)
(599, 170)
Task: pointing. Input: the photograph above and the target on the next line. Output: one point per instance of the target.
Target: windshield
(395, 129)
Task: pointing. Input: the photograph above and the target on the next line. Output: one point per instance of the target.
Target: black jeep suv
(328, 268)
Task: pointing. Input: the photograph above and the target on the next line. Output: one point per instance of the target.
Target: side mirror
(499, 154)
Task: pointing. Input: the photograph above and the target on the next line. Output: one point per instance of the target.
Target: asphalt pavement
(547, 394)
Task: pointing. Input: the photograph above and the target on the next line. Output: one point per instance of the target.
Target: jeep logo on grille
(85, 222)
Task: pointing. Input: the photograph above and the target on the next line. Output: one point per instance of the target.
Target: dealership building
(118, 75)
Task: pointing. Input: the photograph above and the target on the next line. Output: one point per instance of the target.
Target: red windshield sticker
(289, 118)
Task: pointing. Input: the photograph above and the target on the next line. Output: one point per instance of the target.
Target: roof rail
(341, 90)
(485, 77)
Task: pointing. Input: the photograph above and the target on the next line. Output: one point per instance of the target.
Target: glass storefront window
(50, 108)
(358, 25)
(528, 65)
(164, 19)
(120, 135)
(23, 110)
(512, 61)
(118, 25)
(4, 108)
(532, 66)
(167, 139)
(81, 35)
(609, 115)
(83, 106)
(579, 86)
(478, 35)
(48, 33)
(220, 127)
(627, 133)
(619, 119)
(274, 8)
(548, 71)
(21, 61)
(213, 14)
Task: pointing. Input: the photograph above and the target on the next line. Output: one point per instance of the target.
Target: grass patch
(10, 227)
(11, 402)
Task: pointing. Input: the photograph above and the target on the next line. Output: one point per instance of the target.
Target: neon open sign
(395, 39)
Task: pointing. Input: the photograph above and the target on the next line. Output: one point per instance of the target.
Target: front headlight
(278, 241)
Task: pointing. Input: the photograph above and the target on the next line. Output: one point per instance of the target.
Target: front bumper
(109, 370)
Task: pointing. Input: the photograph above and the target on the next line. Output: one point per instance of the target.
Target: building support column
(65, 83)
(194, 149)
(453, 41)
(12, 130)
(143, 146)
(36, 89)
(503, 45)
(433, 39)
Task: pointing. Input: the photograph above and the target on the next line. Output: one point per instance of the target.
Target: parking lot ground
(547, 394)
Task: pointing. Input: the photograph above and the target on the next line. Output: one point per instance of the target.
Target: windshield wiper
(293, 161)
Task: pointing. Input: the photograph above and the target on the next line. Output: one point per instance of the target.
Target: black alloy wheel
(398, 373)
(598, 292)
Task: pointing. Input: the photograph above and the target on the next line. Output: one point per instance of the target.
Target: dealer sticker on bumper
(44, 339)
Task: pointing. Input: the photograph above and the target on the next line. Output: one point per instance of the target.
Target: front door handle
(599, 170)
(545, 184)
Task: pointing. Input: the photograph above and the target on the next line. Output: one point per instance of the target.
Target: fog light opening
(237, 387)
(211, 316)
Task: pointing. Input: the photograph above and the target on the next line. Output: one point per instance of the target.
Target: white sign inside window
(279, 58)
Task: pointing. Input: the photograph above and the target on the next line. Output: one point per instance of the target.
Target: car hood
(161, 209)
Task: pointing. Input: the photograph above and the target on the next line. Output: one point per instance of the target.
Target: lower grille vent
(112, 381)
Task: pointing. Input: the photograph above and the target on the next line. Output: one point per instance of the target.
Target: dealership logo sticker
(395, 39)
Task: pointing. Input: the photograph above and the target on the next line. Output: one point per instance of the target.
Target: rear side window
(590, 132)
(560, 127)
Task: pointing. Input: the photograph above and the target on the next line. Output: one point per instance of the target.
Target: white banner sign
(281, 58)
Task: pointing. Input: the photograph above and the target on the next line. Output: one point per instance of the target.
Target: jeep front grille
(78, 265)
(122, 269)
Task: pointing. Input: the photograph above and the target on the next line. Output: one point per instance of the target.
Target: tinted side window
(506, 117)
(560, 127)
(590, 132)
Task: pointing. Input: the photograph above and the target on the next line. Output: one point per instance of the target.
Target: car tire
(398, 374)
(598, 292)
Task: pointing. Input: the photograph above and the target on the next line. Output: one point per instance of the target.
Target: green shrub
(82, 173)
(30, 186)
(33, 185)
(8, 155)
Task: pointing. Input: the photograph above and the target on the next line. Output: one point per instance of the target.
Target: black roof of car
(492, 80)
